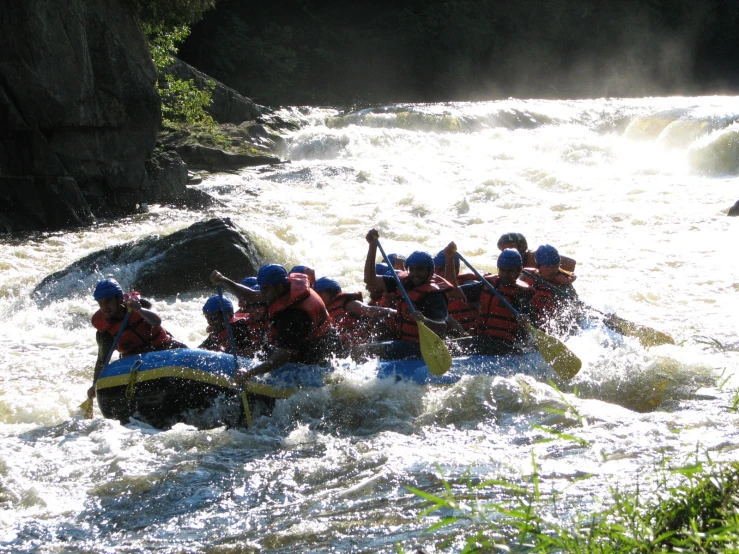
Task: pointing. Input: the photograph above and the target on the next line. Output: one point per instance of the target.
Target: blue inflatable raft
(196, 386)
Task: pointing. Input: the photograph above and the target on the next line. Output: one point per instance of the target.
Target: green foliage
(698, 515)
(184, 102)
(163, 42)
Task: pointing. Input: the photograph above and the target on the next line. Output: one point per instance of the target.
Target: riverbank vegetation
(329, 52)
(698, 513)
(680, 506)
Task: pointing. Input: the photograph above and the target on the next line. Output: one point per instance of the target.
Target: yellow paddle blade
(87, 408)
(247, 411)
(434, 351)
(564, 363)
(646, 335)
(263, 389)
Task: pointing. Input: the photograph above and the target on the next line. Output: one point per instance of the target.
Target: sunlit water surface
(636, 190)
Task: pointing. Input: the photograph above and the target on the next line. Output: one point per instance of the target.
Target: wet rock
(78, 109)
(167, 177)
(160, 266)
(734, 210)
(213, 159)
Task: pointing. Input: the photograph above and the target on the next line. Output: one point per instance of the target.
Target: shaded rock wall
(78, 106)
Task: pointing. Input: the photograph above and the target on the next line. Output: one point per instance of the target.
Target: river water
(635, 190)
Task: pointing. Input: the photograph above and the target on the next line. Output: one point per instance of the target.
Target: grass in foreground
(698, 515)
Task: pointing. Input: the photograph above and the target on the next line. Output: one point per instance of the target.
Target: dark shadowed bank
(80, 115)
(329, 52)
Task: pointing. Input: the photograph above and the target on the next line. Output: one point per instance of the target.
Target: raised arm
(450, 271)
(370, 277)
(237, 289)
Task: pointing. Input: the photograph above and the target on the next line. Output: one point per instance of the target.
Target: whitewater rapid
(635, 190)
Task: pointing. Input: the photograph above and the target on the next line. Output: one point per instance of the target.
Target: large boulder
(78, 110)
(227, 105)
(734, 210)
(160, 266)
(198, 156)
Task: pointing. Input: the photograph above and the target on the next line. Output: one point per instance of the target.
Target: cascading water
(635, 190)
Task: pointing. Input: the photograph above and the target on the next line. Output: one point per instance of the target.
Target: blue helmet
(107, 288)
(324, 283)
(547, 255)
(420, 258)
(250, 282)
(272, 274)
(381, 269)
(440, 260)
(299, 269)
(213, 304)
(509, 258)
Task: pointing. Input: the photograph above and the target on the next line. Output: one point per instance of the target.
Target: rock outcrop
(79, 113)
(160, 266)
(734, 210)
(227, 105)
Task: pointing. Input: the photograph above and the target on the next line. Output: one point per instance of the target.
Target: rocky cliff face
(79, 112)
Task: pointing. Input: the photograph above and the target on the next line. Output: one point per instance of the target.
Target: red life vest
(352, 329)
(302, 297)
(221, 342)
(547, 304)
(256, 321)
(138, 336)
(463, 278)
(406, 326)
(464, 313)
(493, 318)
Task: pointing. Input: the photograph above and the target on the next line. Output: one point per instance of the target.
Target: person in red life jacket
(300, 328)
(385, 330)
(143, 333)
(255, 314)
(499, 330)
(518, 241)
(305, 270)
(551, 308)
(355, 321)
(462, 320)
(217, 339)
(427, 292)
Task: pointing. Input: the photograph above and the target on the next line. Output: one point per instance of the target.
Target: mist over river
(635, 190)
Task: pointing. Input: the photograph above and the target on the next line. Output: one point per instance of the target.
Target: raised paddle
(87, 405)
(433, 350)
(646, 335)
(232, 342)
(564, 363)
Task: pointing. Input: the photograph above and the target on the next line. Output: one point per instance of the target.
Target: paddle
(87, 405)
(433, 350)
(564, 363)
(232, 342)
(646, 335)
